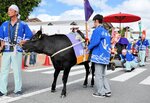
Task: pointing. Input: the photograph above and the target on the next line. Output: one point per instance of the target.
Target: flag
(88, 10)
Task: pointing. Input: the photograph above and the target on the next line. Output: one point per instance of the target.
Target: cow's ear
(40, 36)
(39, 32)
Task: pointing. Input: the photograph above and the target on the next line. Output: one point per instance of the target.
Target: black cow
(49, 45)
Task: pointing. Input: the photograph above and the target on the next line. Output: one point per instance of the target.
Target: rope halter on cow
(66, 48)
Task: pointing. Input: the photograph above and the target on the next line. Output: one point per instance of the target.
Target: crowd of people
(134, 54)
(131, 52)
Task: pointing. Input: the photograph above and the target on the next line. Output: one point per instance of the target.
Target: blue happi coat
(142, 45)
(24, 33)
(100, 46)
(128, 57)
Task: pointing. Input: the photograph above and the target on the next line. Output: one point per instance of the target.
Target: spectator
(32, 58)
(128, 61)
(25, 59)
(33, 55)
(141, 46)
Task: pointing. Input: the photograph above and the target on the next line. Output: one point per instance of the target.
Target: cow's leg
(93, 71)
(86, 64)
(56, 73)
(64, 79)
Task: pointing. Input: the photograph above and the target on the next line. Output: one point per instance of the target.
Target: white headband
(124, 51)
(14, 7)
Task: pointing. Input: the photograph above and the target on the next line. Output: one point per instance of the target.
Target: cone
(47, 61)
(23, 64)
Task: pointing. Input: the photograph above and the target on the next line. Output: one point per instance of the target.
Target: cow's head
(35, 44)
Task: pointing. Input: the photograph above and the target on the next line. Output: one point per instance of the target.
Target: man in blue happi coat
(100, 47)
(13, 33)
(141, 46)
(128, 60)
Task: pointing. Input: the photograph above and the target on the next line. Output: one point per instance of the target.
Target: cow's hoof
(53, 91)
(63, 96)
(92, 86)
(84, 86)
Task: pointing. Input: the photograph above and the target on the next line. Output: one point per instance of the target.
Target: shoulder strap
(141, 42)
(16, 33)
(9, 40)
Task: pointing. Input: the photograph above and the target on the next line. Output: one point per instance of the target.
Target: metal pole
(86, 29)
(140, 28)
(87, 40)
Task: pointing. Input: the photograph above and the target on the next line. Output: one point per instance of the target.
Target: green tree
(25, 7)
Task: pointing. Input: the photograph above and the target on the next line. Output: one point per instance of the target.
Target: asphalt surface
(131, 87)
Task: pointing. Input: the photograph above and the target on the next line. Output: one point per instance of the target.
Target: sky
(58, 10)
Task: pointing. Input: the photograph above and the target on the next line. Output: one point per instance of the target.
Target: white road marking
(41, 69)
(108, 72)
(73, 73)
(73, 68)
(48, 72)
(11, 72)
(3, 99)
(76, 72)
(148, 60)
(48, 68)
(116, 70)
(147, 63)
(127, 76)
(146, 81)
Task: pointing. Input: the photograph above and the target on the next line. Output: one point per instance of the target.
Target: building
(62, 27)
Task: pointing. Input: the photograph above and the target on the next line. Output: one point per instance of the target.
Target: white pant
(142, 55)
(9, 59)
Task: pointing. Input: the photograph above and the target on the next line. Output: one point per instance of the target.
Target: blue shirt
(100, 46)
(24, 33)
(129, 46)
(142, 45)
(127, 57)
(12, 31)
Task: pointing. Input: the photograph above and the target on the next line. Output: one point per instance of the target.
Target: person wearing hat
(100, 44)
(129, 61)
(141, 46)
(13, 34)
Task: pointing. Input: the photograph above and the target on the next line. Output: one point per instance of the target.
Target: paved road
(131, 87)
